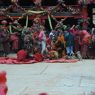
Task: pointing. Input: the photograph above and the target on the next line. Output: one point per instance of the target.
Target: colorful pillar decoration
(50, 24)
(14, 1)
(84, 12)
(85, 1)
(23, 30)
(26, 21)
(37, 1)
(10, 28)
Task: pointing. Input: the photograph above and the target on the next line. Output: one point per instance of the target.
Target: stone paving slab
(50, 92)
(82, 68)
(55, 79)
(22, 69)
(18, 75)
(56, 91)
(87, 82)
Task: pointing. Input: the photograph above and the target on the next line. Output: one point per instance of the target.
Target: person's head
(42, 28)
(37, 50)
(14, 2)
(43, 94)
(4, 30)
(4, 22)
(37, 19)
(16, 23)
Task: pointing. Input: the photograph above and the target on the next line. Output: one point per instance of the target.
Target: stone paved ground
(53, 78)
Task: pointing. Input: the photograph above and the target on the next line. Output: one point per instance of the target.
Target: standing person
(3, 38)
(28, 42)
(53, 36)
(15, 41)
(1, 42)
(77, 45)
(6, 42)
(60, 45)
(69, 44)
(85, 42)
(42, 38)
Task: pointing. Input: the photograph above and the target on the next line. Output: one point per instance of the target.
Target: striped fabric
(86, 1)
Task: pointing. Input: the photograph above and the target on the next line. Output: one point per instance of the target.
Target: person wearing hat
(4, 24)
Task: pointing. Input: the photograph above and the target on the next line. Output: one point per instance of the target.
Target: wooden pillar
(84, 11)
(85, 17)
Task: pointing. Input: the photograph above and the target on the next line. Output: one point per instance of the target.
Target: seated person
(52, 53)
(22, 55)
(37, 55)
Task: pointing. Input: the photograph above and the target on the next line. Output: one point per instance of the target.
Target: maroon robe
(3, 86)
(15, 41)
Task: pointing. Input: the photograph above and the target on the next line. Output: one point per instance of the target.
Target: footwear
(79, 55)
(69, 57)
(73, 57)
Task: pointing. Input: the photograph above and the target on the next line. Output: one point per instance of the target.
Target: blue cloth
(69, 50)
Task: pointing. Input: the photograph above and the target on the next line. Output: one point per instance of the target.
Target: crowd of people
(61, 42)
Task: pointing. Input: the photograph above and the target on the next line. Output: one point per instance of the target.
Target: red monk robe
(15, 41)
(3, 86)
(22, 55)
(38, 57)
(87, 37)
(85, 41)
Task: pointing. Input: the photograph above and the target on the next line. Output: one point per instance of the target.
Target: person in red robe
(3, 86)
(37, 55)
(15, 41)
(22, 55)
(85, 42)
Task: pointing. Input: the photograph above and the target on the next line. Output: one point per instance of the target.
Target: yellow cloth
(61, 39)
